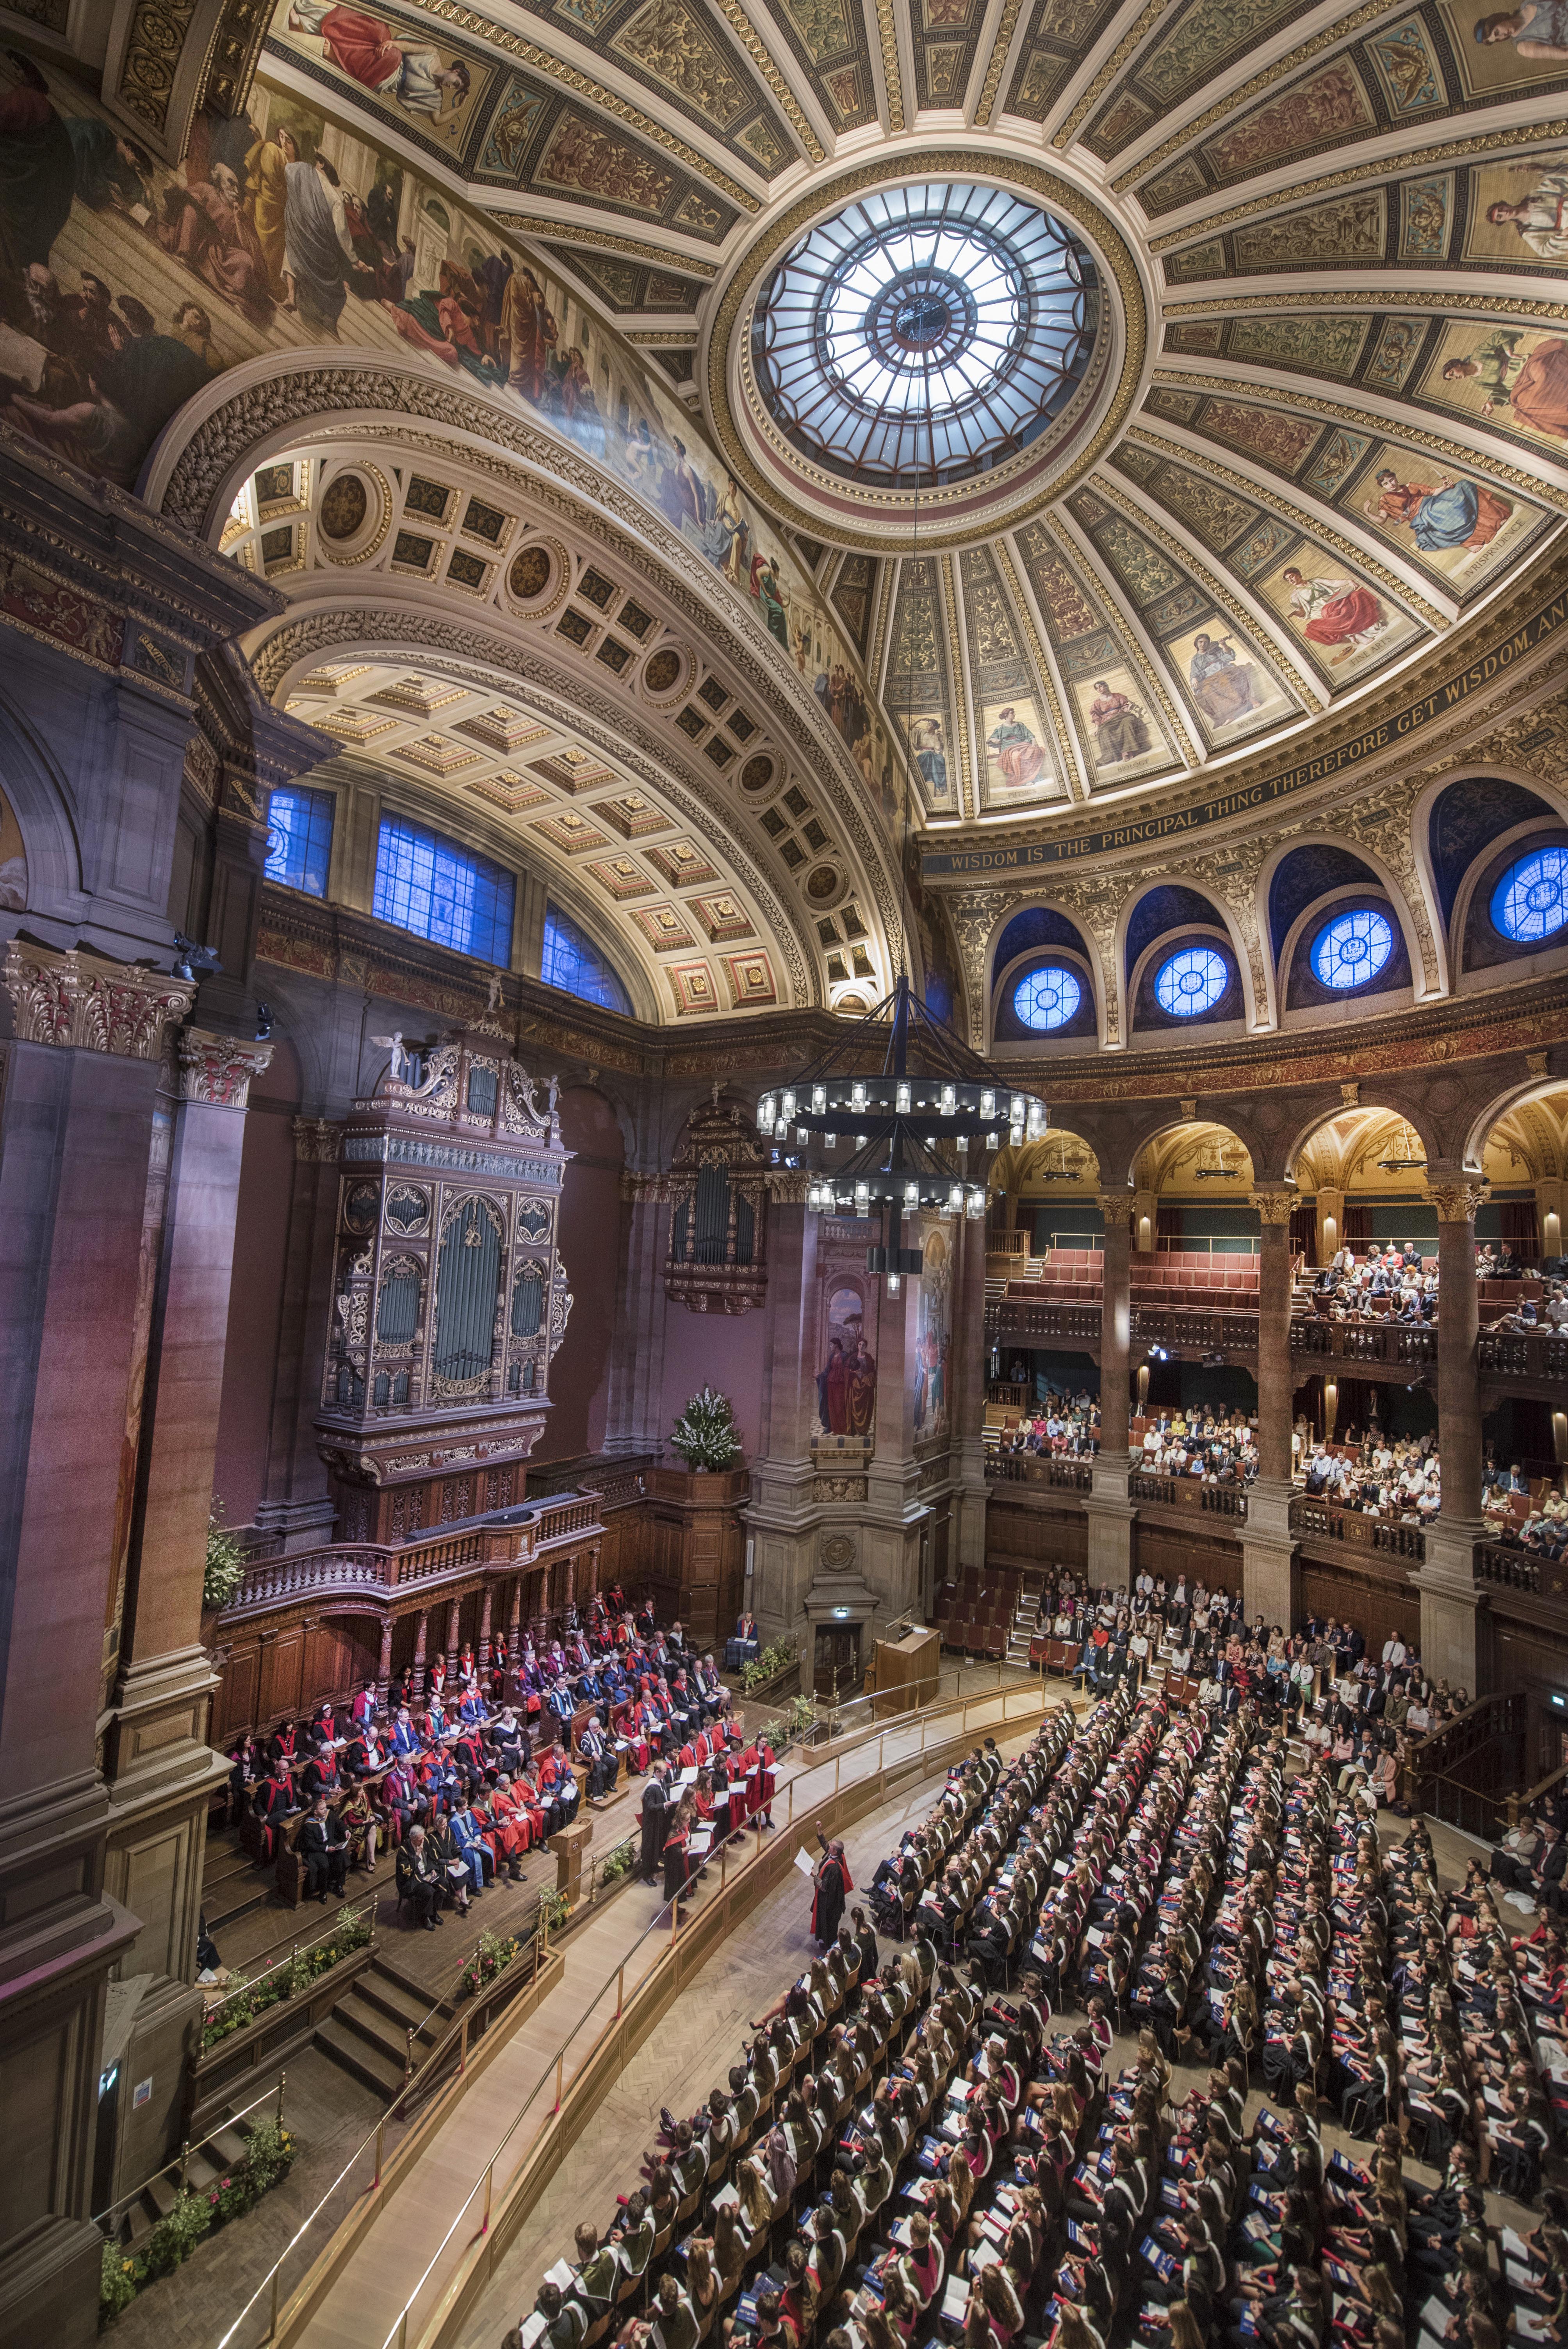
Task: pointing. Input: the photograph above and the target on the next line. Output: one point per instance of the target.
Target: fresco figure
(928, 743)
(362, 47)
(1222, 687)
(861, 1389)
(1343, 619)
(1121, 730)
(1448, 513)
(832, 1385)
(1538, 28)
(1539, 216)
(1535, 388)
(1016, 751)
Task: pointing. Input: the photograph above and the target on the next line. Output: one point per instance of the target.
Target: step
(371, 2025)
(400, 2005)
(242, 1902)
(368, 2065)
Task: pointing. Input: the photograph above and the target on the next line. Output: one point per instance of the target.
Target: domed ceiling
(1242, 366)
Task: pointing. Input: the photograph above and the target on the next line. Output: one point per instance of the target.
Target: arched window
(1048, 998)
(1530, 901)
(1353, 948)
(1190, 982)
(573, 963)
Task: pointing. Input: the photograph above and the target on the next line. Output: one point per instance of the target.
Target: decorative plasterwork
(1272, 1206)
(317, 1141)
(1455, 1203)
(79, 999)
(218, 1070)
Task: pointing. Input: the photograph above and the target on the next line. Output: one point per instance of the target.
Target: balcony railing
(1181, 1325)
(1022, 1319)
(1038, 1468)
(512, 1538)
(1508, 1569)
(1517, 1354)
(1316, 1521)
(1405, 1346)
(1190, 1493)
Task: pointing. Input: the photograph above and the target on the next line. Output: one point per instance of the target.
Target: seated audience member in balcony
(323, 1848)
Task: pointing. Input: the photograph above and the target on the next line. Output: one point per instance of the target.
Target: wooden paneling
(1036, 1537)
(1379, 1608)
(283, 1669)
(1172, 1551)
(235, 1706)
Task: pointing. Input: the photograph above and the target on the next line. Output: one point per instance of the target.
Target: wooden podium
(907, 1673)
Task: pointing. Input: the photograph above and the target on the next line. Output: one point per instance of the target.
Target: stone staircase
(367, 2033)
(207, 2166)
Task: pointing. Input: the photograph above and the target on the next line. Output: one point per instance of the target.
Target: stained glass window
(1353, 948)
(1192, 981)
(924, 334)
(299, 838)
(429, 885)
(573, 963)
(1048, 998)
(1530, 901)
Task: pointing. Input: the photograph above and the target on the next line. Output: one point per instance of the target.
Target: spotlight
(1213, 1362)
(1157, 1354)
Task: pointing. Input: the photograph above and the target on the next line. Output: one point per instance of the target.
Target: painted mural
(1228, 682)
(1504, 375)
(124, 288)
(847, 1381)
(932, 1339)
(1346, 627)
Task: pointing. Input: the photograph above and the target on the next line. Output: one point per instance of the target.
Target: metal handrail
(182, 2161)
(296, 1948)
(374, 2138)
(398, 2334)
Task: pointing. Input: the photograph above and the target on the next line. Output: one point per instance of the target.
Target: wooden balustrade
(1397, 1345)
(1034, 1321)
(1189, 1493)
(1177, 1326)
(1509, 1569)
(1314, 1520)
(1040, 1468)
(1541, 1356)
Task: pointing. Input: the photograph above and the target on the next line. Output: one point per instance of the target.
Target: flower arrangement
(225, 1567)
(494, 1954)
(555, 1908)
(270, 2151)
(288, 1978)
(618, 1862)
(768, 1664)
(705, 1435)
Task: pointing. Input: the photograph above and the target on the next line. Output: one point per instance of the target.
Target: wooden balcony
(1188, 1329)
(1535, 1361)
(1190, 1493)
(1392, 1345)
(1038, 1468)
(1035, 1321)
(1353, 1534)
(509, 1540)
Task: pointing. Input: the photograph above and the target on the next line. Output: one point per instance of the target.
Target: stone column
(1330, 1223)
(780, 1516)
(1454, 1632)
(967, 1403)
(632, 1422)
(1267, 1546)
(297, 1505)
(1110, 1504)
(80, 1204)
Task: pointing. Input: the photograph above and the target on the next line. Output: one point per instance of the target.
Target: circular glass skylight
(1530, 901)
(925, 335)
(1353, 948)
(1048, 998)
(1193, 981)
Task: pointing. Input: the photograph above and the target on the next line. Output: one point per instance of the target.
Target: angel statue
(399, 1061)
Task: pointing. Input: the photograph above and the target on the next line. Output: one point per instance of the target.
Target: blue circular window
(1190, 982)
(1352, 948)
(1530, 901)
(1048, 998)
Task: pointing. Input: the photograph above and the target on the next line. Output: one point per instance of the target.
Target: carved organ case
(450, 1298)
(718, 1190)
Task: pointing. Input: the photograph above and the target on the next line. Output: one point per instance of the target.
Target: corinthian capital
(1114, 1203)
(1273, 1206)
(89, 1002)
(217, 1069)
(1455, 1203)
(315, 1141)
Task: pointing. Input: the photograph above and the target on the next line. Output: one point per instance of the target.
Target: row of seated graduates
(1308, 1915)
(502, 1774)
(765, 2196)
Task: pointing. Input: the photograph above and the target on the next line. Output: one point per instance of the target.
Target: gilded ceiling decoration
(1320, 418)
